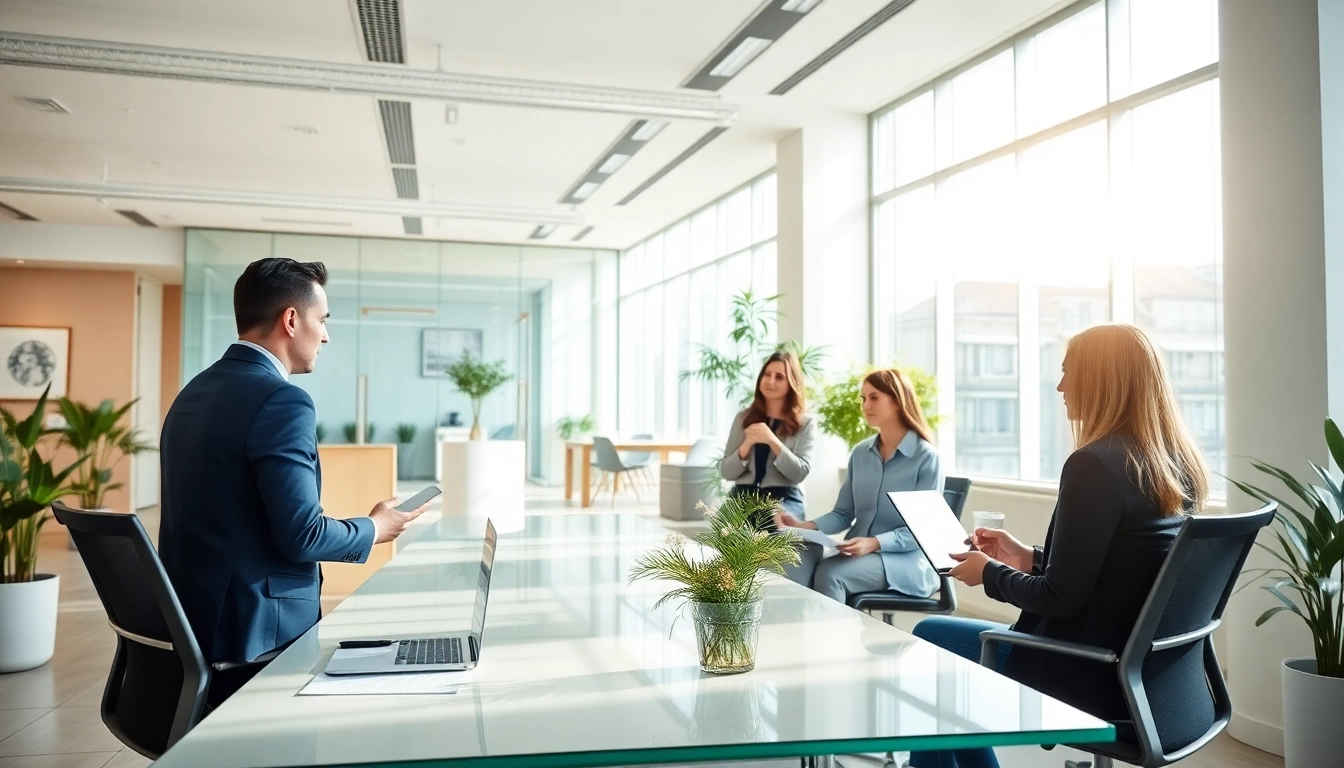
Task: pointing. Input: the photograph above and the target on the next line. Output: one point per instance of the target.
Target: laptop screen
(483, 586)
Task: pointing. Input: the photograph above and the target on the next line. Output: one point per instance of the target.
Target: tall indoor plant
(1306, 583)
(405, 450)
(29, 483)
(476, 379)
(840, 407)
(97, 435)
(722, 582)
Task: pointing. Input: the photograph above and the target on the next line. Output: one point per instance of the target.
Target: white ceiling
(251, 138)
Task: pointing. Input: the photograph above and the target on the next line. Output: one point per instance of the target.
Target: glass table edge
(770, 749)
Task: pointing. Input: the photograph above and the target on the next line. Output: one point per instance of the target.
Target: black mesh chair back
(955, 491)
(156, 690)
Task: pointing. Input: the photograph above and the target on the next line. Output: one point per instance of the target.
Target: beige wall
(172, 347)
(99, 309)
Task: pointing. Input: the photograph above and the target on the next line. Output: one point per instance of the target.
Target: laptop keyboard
(438, 650)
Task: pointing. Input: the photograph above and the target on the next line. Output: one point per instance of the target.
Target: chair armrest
(265, 658)
(990, 639)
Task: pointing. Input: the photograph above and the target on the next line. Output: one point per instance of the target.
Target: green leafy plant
(570, 427)
(348, 429)
(753, 321)
(840, 407)
(28, 485)
(321, 432)
(406, 433)
(1310, 537)
(98, 435)
(476, 379)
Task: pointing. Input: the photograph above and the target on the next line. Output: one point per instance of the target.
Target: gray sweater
(789, 468)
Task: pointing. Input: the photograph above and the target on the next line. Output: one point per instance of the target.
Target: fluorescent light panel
(745, 52)
(585, 190)
(648, 129)
(799, 6)
(542, 232)
(613, 163)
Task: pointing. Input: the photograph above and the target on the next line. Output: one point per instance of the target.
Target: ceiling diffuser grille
(700, 144)
(408, 185)
(16, 213)
(380, 21)
(137, 218)
(842, 45)
(44, 105)
(397, 127)
(412, 225)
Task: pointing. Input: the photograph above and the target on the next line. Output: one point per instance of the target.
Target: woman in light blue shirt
(879, 553)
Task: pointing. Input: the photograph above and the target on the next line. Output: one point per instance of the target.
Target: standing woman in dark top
(1123, 493)
(770, 442)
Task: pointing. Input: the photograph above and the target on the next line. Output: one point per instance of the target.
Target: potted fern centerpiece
(477, 379)
(98, 436)
(722, 581)
(28, 485)
(1306, 583)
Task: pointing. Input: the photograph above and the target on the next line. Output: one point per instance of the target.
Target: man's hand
(859, 547)
(970, 568)
(389, 522)
(1000, 545)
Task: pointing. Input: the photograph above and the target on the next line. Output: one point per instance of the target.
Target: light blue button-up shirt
(863, 508)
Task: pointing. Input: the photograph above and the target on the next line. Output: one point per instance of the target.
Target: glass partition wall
(402, 309)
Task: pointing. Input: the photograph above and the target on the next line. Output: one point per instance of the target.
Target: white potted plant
(28, 485)
(477, 379)
(1306, 582)
(722, 582)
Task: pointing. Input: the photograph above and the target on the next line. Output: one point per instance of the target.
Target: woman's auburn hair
(894, 383)
(1118, 386)
(795, 403)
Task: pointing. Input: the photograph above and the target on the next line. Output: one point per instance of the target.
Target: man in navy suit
(242, 531)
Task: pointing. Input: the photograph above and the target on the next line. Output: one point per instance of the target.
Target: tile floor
(49, 716)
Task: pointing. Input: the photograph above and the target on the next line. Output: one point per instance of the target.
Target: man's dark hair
(270, 286)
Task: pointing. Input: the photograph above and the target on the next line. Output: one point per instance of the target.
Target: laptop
(452, 652)
(934, 525)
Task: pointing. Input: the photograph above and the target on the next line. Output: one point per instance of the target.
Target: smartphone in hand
(419, 499)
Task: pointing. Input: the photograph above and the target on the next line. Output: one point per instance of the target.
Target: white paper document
(814, 537)
(406, 683)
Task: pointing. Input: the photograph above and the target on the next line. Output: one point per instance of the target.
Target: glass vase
(726, 634)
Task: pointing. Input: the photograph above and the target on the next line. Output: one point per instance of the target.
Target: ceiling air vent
(44, 105)
(408, 184)
(15, 213)
(699, 144)
(137, 218)
(412, 225)
(380, 20)
(842, 45)
(397, 127)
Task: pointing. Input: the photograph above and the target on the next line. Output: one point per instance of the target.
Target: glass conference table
(578, 669)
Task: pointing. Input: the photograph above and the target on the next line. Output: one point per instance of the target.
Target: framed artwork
(441, 347)
(32, 358)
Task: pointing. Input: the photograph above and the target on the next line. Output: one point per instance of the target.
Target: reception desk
(354, 478)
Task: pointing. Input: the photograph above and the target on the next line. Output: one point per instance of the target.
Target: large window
(1066, 178)
(675, 289)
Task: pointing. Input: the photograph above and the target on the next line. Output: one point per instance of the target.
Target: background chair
(640, 461)
(955, 491)
(157, 688)
(702, 452)
(1173, 687)
(611, 468)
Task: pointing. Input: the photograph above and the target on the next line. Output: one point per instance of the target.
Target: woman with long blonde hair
(1134, 475)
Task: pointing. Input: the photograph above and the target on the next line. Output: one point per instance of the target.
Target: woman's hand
(785, 520)
(970, 568)
(1000, 545)
(859, 547)
(761, 433)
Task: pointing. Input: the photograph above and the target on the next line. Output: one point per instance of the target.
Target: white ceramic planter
(1311, 707)
(28, 622)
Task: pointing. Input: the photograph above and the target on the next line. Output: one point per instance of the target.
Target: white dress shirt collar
(279, 366)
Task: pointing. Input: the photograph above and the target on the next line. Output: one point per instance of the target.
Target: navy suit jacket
(242, 530)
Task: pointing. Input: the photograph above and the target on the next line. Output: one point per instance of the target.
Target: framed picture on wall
(441, 347)
(32, 358)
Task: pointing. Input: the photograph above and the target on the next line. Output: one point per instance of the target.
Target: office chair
(1174, 690)
(609, 462)
(955, 491)
(156, 690)
(702, 453)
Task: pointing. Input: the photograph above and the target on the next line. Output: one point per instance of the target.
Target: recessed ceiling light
(613, 163)
(648, 130)
(742, 55)
(542, 232)
(584, 190)
(799, 6)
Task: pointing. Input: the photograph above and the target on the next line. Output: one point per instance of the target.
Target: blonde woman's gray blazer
(788, 469)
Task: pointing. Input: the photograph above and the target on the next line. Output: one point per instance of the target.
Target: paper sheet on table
(813, 536)
(406, 683)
